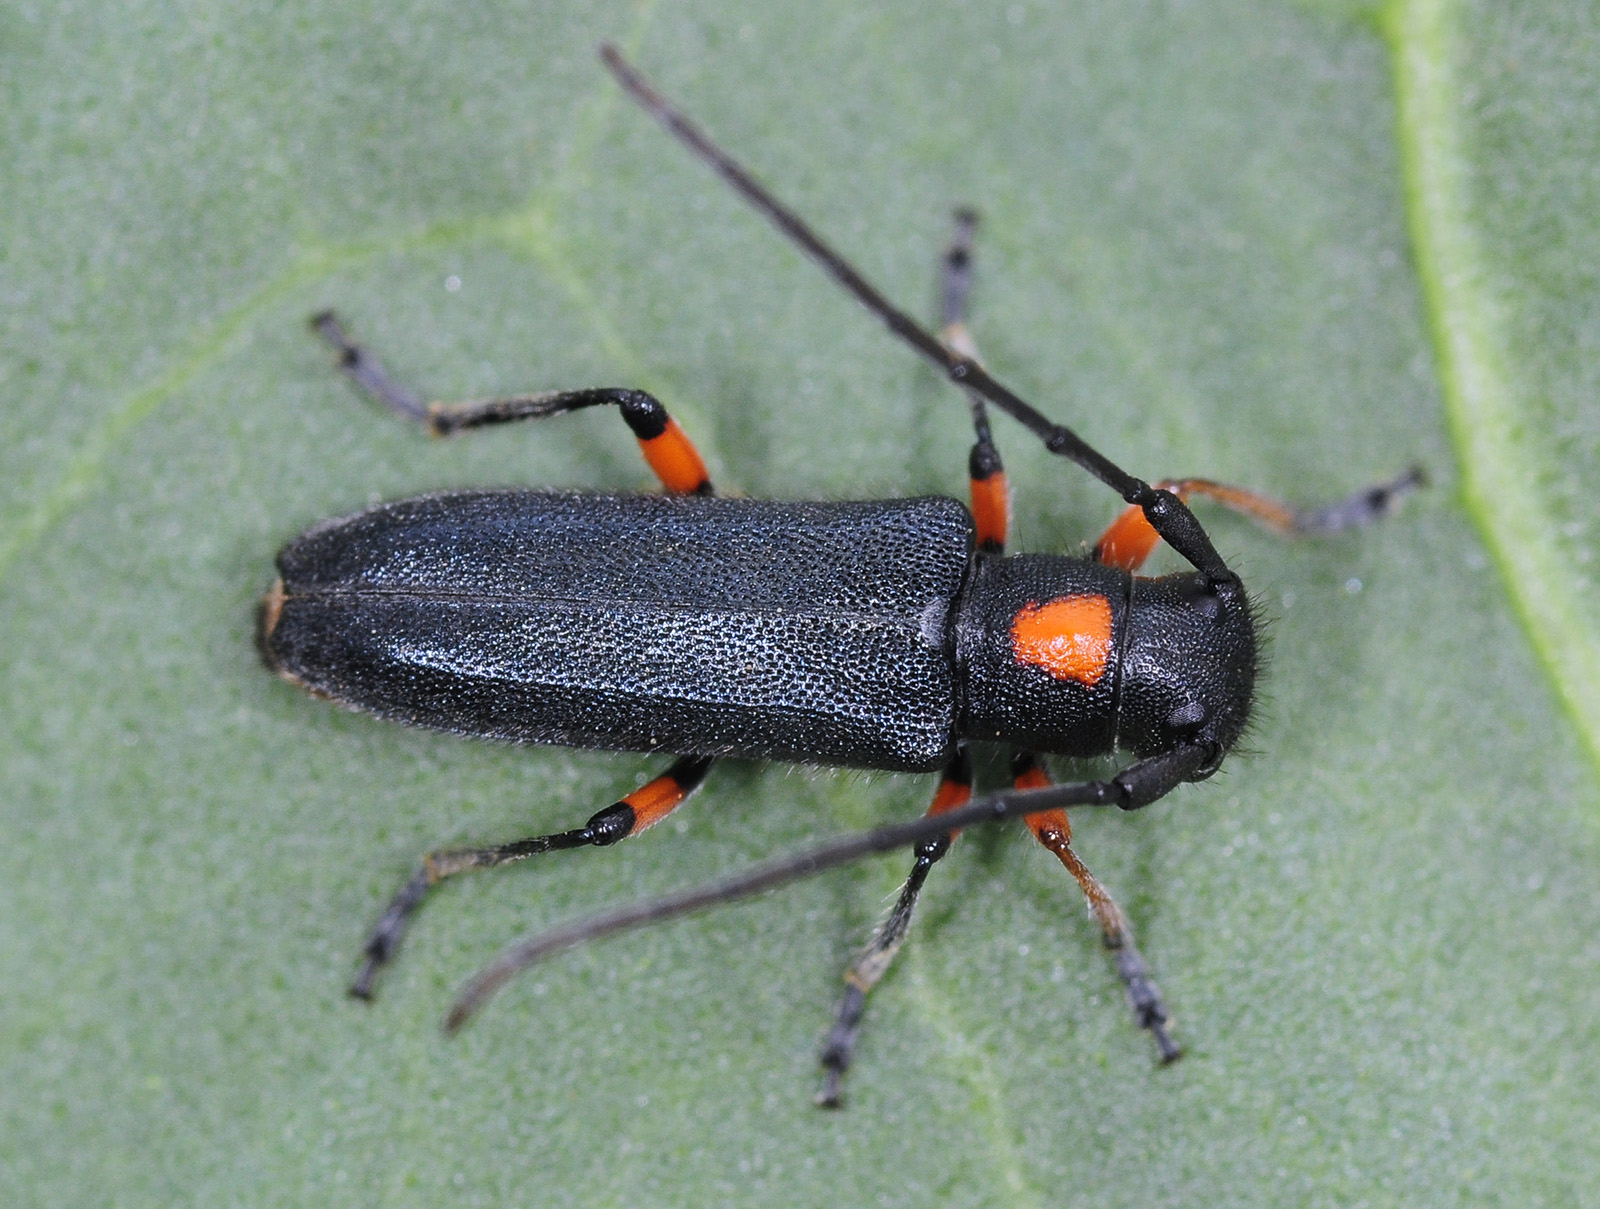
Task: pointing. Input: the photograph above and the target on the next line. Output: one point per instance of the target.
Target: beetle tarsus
(870, 965)
(841, 1046)
(1365, 507)
(865, 972)
(387, 933)
(363, 369)
(1144, 997)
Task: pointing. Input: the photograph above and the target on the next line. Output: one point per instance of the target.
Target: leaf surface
(1296, 247)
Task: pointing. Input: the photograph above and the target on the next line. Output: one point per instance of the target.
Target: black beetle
(881, 634)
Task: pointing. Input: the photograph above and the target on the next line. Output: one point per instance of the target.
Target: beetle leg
(1130, 539)
(1140, 783)
(669, 452)
(642, 808)
(955, 788)
(991, 500)
(1052, 829)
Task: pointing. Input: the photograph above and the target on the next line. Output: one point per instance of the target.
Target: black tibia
(604, 828)
(1144, 997)
(954, 787)
(644, 414)
(1167, 515)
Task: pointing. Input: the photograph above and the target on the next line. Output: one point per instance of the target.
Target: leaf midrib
(1499, 466)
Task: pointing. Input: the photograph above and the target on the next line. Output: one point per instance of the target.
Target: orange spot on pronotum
(675, 460)
(1069, 637)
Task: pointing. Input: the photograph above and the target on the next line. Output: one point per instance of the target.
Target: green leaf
(1292, 246)
(1500, 146)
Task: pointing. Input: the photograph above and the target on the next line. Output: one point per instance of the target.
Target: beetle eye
(1187, 717)
(1207, 604)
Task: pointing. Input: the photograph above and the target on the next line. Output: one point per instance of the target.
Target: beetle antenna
(992, 808)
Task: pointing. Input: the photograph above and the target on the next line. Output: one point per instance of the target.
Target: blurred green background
(1296, 246)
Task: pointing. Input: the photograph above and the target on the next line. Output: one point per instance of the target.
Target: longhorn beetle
(876, 634)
